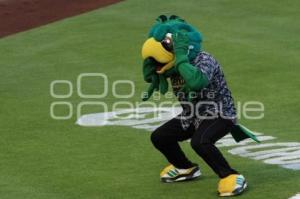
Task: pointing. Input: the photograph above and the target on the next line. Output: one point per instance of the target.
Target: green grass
(257, 43)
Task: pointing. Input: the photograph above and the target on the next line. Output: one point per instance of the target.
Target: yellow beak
(154, 49)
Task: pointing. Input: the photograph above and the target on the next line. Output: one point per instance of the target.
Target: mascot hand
(158, 82)
(181, 48)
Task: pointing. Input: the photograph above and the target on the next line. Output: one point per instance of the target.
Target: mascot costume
(173, 50)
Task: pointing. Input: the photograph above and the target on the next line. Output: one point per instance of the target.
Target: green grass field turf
(256, 42)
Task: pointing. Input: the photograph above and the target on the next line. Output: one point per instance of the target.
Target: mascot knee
(199, 147)
(156, 138)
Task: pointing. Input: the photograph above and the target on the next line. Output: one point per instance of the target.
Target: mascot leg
(203, 140)
(165, 139)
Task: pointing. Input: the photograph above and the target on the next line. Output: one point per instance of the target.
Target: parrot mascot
(173, 50)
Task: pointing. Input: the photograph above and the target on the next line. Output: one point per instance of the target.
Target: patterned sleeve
(207, 64)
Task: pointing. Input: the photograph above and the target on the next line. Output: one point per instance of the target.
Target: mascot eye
(167, 42)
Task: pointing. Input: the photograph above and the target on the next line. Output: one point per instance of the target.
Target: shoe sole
(181, 178)
(235, 192)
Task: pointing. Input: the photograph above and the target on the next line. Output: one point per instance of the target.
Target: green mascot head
(159, 45)
(157, 51)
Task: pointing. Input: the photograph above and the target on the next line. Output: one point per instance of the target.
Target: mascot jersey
(215, 99)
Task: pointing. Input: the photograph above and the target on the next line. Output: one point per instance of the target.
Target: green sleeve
(194, 78)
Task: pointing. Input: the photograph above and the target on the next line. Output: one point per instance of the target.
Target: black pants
(166, 138)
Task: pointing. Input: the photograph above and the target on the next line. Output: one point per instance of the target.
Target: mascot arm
(193, 77)
(157, 81)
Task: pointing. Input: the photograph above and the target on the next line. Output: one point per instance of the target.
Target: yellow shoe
(173, 174)
(232, 185)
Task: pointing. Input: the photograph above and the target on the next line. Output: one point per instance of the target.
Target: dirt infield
(20, 15)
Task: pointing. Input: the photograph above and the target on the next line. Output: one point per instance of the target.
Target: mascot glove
(181, 48)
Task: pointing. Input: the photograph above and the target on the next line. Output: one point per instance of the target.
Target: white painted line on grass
(297, 196)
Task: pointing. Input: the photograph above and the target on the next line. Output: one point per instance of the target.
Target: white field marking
(297, 196)
(284, 154)
(136, 118)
